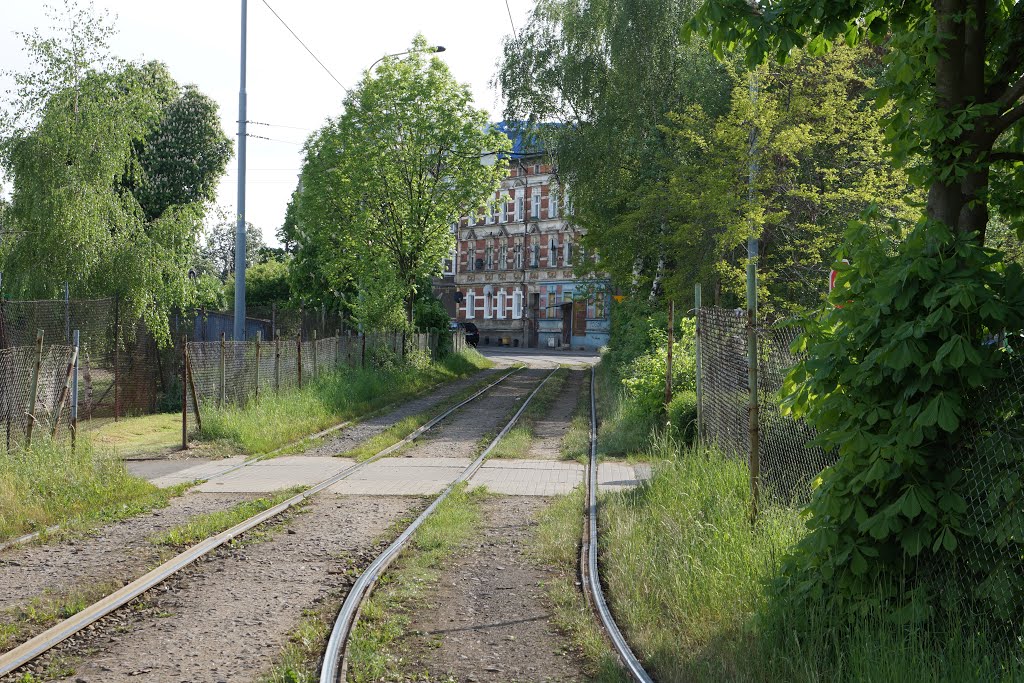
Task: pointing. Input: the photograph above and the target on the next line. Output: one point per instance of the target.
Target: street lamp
(434, 48)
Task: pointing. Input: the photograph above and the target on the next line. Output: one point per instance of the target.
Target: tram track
(335, 662)
(30, 650)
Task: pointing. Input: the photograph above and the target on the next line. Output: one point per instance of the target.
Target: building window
(535, 204)
(519, 256)
(553, 202)
(535, 254)
(502, 257)
(520, 204)
(568, 202)
(517, 304)
(501, 305)
(552, 252)
(470, 305)
(471, 258)
(567, 251)
(489, 257)
(553, 309)
(488, 303)
(504, 209)
(600, 305)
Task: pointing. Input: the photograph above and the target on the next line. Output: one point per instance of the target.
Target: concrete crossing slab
(529, 477)
(205, 469)
(276, 474)
(403, 477)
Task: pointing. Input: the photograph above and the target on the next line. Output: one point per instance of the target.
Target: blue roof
(524, 141)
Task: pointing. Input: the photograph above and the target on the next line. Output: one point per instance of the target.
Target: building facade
(513, 267)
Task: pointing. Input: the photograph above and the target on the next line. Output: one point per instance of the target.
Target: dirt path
(353, 436)
(117, 552)
(227, 618)
(488, 618)
(549, 430)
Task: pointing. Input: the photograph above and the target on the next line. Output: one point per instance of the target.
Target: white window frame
(517, 256)
(535, 254)
(567, 251)
(520, 204)
(488, 304)
(552, 252)
(504, 209)
(552, 202)
(471, 258)
(517, 304)
(470, 305)
(535, 204)
(502, 300)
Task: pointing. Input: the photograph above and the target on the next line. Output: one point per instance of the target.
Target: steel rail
(335, 662)
(592, 580)
(29, 537)
(34, 647)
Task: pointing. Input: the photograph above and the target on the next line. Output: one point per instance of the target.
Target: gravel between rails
(488, 618)
(459, 435)
(353, 436)
(549, 430)
(119, 551)
(227, 617)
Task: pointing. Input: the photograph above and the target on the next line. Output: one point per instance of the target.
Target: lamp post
(434, 48)
(239, 332)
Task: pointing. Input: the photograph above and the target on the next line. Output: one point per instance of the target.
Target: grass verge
(40, 613)
(625, 426)
(210, 524)
(576, 443)
(556, 544)
(51, 484)
(688, 579)
(385, 614)
(278, 419)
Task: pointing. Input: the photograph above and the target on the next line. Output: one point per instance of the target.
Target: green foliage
(382, 183)
(266, 283)
(107, 192)
(892, 381)
(682, 414)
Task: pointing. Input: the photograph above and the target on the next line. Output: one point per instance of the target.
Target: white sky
(199, 41)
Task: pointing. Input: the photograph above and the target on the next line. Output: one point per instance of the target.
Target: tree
(955, 72)
(87, 144)
(383, 182)
(608, 74)
(217, 255)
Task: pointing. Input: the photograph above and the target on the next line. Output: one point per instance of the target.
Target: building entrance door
(566, 324)
(533, 338)
(579, 319)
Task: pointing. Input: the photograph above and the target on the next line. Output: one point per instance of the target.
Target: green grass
(210, 524)
(517, 442)
(555, 543)
(158, 434)
(301, 655)
(576, 443)
(385, 616)
(688, 576)
(46, 610)
(51, 484)
(278, 419)
(625, 426)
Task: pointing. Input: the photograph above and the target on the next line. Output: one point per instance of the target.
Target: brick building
(513, 266)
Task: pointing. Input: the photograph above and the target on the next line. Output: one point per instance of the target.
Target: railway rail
(35, 647)
(334, 665)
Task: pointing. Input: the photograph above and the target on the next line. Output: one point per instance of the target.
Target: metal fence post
(184, 393)
(697, 358)
(74, 391)
(277, 361)
(753, 422)
(117, 356)
(67, 313)
(316, 357)
(337, 349)
(223, 372)
(259, 338)
(196, 412)
(668, 363)
(34, 390)
(362, 358)
(298, 345)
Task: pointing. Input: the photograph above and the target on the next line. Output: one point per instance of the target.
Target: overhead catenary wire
(509, 9)
(311, 53)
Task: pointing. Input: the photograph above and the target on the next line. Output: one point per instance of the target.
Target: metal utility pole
(753, 424)
(240, 227)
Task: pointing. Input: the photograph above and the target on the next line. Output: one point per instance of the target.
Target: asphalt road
(504, 356)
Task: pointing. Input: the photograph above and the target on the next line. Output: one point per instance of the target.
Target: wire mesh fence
(34, 394)
(227, 373)
(988, 566)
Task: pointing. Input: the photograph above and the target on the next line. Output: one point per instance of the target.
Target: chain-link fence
(989, 562)
(227, 373)
(35, 388)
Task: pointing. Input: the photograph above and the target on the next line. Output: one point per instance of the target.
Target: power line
(261, 137)
(277, 125)
(305, 46)
(514, 31)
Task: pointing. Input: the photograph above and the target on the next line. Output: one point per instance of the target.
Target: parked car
(472, 334)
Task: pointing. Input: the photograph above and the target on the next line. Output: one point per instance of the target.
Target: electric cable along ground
(42, 643)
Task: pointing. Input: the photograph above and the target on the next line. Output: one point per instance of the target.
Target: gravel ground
(349, 438)
(117, 552)
(227, 618)
(458, 435)
(487, 619)
(549, 430)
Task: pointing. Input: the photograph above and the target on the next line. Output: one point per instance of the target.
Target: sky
(199, 41)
